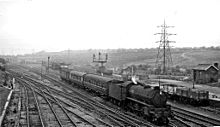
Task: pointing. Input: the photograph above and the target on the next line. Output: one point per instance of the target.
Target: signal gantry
(100, 60)
(101, 69)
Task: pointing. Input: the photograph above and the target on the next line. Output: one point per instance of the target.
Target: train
(136, 97)
(186, 95)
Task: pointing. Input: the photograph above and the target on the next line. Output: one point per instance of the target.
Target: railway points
(111, 116)
(73, 100)
(87, 65)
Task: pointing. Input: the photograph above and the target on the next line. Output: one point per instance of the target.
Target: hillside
(188, 57)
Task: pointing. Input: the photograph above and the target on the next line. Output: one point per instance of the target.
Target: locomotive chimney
(216, 65)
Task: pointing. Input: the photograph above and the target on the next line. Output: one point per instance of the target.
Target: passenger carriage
(143, 100)
(97, 83)
(76, 77)
(65, 74)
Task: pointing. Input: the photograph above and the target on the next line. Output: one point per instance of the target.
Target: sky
(54, 25)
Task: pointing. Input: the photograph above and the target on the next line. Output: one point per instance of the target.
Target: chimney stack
(216, 65)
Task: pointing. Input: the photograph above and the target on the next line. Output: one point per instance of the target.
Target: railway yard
(97, 63)
(43, 99)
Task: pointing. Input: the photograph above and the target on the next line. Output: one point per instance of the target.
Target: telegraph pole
(48, 63)
(164, 55)
(68, 54)
(41, 70)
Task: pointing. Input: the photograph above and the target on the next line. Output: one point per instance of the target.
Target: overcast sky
(55, 25)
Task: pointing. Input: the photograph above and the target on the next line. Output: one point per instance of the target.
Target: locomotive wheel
(119, 103)
(161, 121)
(110, 99)
(166, 121)
(114, 102)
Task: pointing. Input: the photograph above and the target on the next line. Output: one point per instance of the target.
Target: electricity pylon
(164, 57)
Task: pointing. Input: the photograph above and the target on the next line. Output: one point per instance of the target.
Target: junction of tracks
(44, 100)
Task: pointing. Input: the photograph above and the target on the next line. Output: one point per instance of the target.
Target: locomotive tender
(138, 98)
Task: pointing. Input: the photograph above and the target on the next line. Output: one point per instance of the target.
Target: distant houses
(205, 73)
(132, 70)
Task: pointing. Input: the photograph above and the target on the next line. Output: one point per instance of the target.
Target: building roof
(204, 67)
(77, 73)
(100, 78)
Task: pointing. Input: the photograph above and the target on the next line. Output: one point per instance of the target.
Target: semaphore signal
(99, 59)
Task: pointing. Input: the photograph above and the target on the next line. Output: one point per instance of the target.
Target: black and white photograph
(109, 63)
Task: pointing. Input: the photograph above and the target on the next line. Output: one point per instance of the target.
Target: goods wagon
(192, 96)
(199, 94)
(185, 95)
(215, 102)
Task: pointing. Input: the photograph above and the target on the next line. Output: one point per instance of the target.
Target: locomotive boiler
(149, 95)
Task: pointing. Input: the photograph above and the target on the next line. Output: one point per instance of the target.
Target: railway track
(34, 114)
(122, 120)
(24, 108)
(68, 109)
(177, 122)
(32, 111)
(195, 118)
(181, 117)
(63, 116)
(23, 117)
(101, 109)
(78, 115)
(112, 114)
(212, 110)
(131, 120)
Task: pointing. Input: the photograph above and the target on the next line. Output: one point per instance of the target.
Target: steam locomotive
(136, 97)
